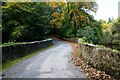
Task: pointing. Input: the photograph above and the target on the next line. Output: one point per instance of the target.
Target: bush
(80, 33)
(116, 42)
(107, 37)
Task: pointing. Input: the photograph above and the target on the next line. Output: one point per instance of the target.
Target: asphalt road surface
(54, 62)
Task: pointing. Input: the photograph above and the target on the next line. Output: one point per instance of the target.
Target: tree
(73, 16)
(32, 21)
(116, 32)
(110, 20)
(25, 21)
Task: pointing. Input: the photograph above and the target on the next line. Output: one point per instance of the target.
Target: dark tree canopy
(24, 21)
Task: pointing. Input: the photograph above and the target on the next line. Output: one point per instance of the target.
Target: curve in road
(51, 63)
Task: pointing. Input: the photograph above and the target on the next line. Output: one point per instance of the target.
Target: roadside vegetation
(41, 19)
(25, 22)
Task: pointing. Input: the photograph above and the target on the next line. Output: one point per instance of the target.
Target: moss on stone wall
(16, 51)
(102, 58)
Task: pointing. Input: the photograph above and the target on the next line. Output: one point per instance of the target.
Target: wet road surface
(51, 63)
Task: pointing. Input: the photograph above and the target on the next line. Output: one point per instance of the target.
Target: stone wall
(15, 51)
(99, 57)
(102, 58)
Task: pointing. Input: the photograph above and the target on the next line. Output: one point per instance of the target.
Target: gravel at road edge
(92, 74)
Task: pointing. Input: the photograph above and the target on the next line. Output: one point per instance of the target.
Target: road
(54, 62)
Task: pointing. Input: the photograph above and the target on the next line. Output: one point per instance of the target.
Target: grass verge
(10, 63)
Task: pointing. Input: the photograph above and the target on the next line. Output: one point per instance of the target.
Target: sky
(106, 9)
